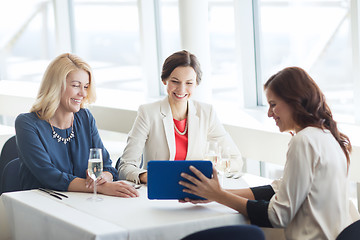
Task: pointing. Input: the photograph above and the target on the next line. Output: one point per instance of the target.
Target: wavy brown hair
(299, 90)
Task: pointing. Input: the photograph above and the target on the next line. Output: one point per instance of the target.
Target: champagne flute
(223, 165)
(212, 152)
(95, 169)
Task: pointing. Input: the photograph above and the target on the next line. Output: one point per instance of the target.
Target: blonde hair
(53, 84)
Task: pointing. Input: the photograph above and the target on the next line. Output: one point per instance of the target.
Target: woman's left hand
(105, 177)
(202, 186)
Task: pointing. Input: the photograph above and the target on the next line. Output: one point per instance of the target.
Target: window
(222, 43)
(107, 36)
(26, 39)
(314, 35)
(169, 28)
(223, 51)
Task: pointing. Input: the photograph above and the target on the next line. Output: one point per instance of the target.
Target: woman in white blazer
(175, 128)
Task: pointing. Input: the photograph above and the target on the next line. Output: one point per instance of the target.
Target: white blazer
(152, 136)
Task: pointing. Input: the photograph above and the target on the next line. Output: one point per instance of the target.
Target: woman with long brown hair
(311, 199)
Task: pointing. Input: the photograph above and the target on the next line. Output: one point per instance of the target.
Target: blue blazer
(51, 164)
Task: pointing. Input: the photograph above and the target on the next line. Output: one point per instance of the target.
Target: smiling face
(77, 83)
(281, 112)
(181, 84)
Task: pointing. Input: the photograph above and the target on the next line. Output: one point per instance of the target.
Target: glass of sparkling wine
(212, 152)
(95, 169)
(223, 165)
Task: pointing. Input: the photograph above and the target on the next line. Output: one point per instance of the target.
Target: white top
(152, 136)
(311, 200)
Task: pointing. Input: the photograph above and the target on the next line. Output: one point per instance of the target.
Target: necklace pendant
(57, 137)
(181, 133)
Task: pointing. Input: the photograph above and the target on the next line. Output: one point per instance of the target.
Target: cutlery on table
(53, 193)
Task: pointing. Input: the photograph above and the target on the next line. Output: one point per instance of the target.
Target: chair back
(351, 232)
(10, 179)
(236, 232)
(8, 153)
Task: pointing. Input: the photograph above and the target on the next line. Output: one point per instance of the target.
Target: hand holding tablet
(164, 177)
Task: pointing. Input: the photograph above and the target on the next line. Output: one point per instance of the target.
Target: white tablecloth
(37, 215)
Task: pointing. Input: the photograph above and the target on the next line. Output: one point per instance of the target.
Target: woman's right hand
(118, 189)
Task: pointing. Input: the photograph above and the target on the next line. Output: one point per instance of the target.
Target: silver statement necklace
(56, 136)
(184, 132)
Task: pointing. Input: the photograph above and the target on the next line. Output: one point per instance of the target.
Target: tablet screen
(164, 177)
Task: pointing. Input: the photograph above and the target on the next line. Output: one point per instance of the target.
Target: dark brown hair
(181, 59)
(299, 90)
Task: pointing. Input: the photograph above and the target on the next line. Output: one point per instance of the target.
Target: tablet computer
(164, 176)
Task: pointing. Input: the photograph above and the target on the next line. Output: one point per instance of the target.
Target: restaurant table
(35, 214)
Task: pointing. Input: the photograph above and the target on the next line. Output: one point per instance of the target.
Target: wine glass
(212, 152)
(95, 169)
(223, 164)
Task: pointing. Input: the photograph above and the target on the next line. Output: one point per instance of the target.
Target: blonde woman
(55, 137)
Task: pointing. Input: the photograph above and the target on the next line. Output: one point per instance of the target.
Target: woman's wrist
(100, 188)
(107, 176)
(221, 196)
(143, 177)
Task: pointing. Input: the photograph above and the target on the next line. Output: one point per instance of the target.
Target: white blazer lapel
(193, 130)
(168, 126)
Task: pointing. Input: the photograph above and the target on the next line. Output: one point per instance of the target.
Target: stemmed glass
(212, 152)
(223, 164)
(95, 169)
